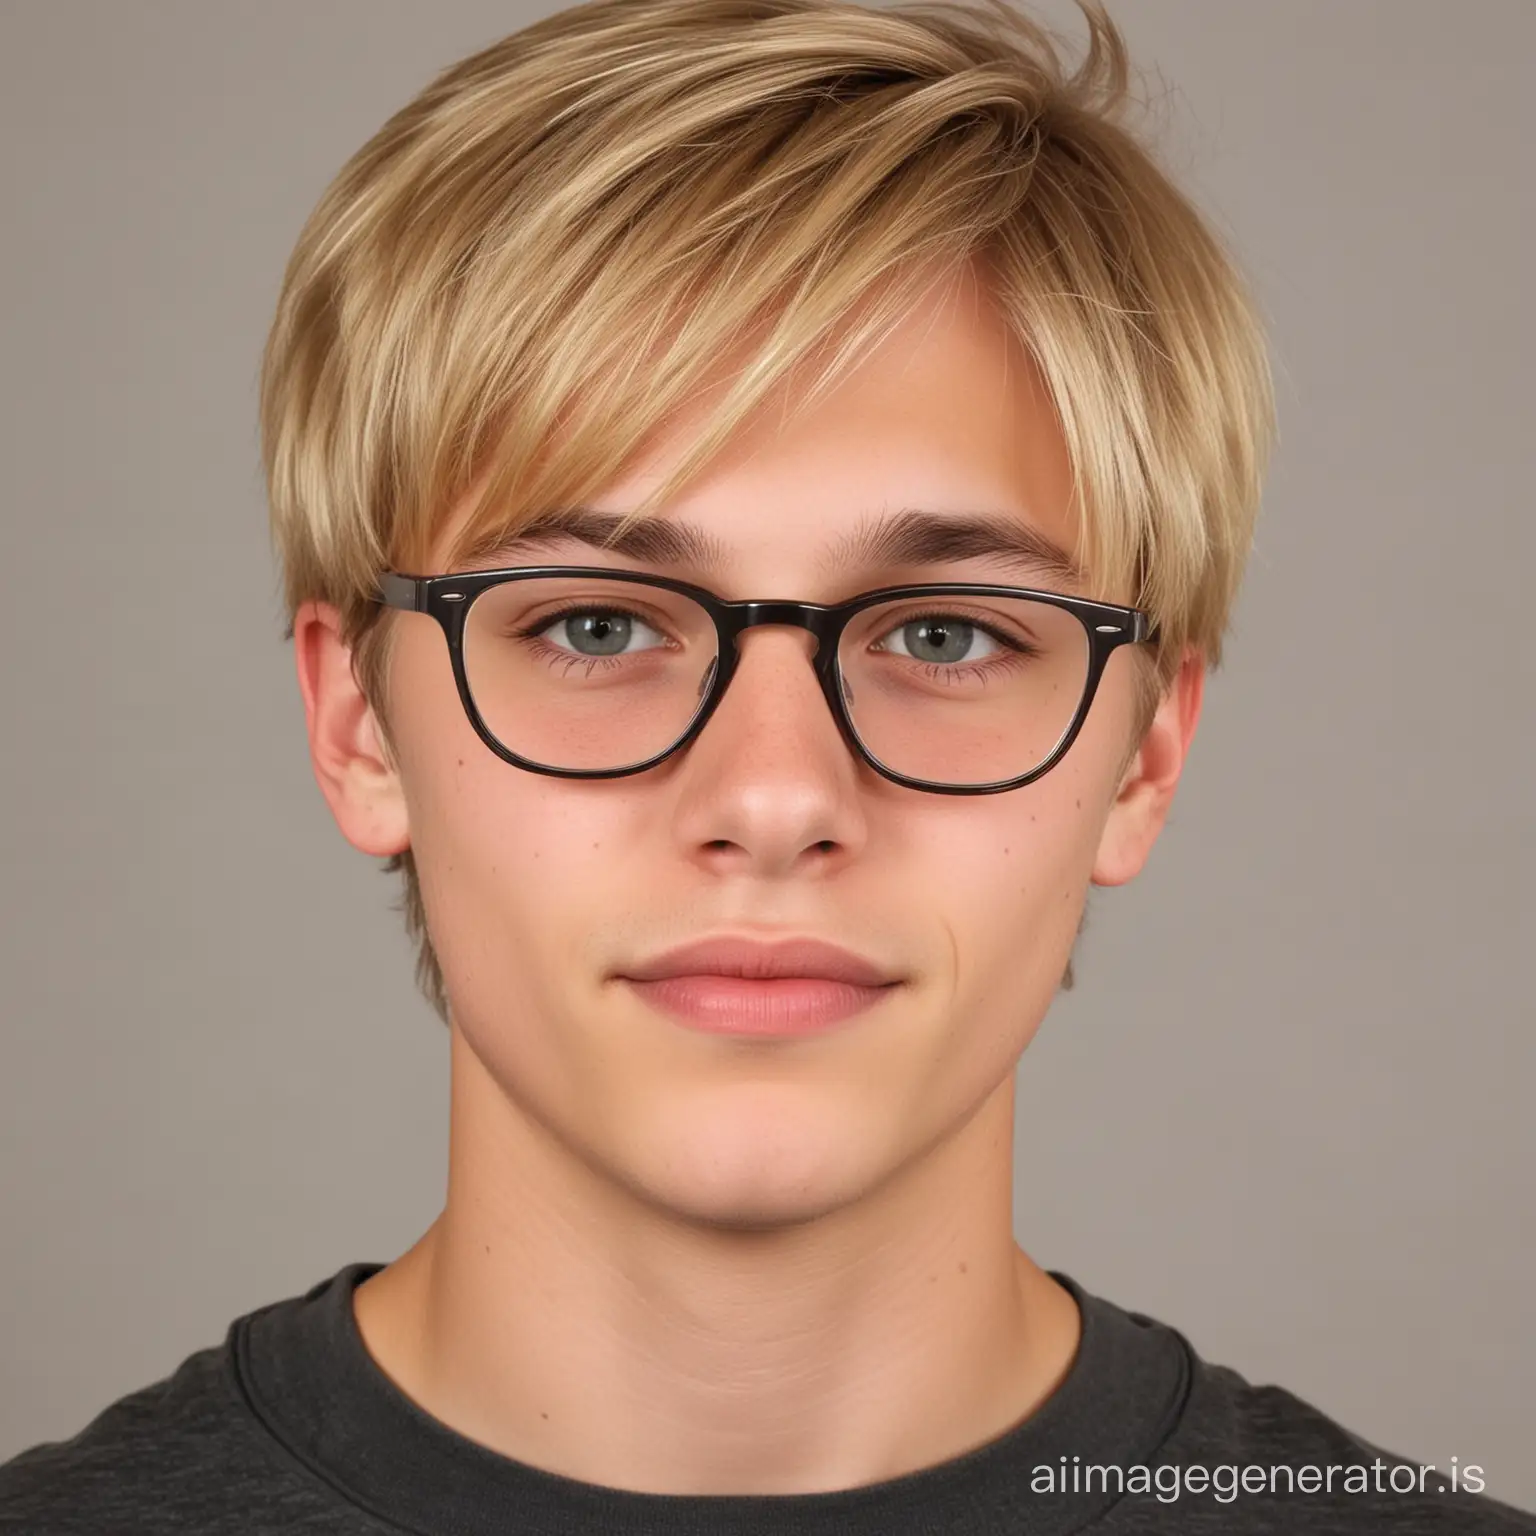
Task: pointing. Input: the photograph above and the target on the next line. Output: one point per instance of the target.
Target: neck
(568, 1321)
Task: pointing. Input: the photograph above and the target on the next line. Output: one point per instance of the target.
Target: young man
(760, 484)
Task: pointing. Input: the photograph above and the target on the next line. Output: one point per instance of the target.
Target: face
(543, 894)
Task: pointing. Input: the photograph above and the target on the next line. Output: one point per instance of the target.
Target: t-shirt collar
(308, 1376)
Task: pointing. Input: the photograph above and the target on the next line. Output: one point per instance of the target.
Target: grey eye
(601, 632)
(943, 640)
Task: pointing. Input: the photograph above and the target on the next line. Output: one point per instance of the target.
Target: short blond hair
(545, 254)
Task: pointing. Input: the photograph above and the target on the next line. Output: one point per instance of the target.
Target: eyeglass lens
(585, 674)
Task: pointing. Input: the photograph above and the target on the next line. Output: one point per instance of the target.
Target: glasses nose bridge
(818, 621)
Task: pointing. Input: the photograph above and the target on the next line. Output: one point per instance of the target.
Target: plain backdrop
(1287, 1108)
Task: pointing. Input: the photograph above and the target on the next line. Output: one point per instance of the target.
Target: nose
(769, 786)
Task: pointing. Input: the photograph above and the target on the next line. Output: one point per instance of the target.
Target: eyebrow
(916, 537)
(910, 537)
(648, 539)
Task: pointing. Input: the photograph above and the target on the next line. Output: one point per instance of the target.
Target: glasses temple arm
(408, 592)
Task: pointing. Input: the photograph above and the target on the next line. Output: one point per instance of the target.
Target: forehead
(945, 418)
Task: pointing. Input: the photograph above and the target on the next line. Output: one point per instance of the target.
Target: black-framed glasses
(957, 688)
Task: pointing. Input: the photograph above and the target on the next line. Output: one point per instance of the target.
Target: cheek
(512, 867)
(1017, 871)
(1010, 873)
(508, 861)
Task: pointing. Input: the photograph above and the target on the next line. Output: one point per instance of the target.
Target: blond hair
(546, 253)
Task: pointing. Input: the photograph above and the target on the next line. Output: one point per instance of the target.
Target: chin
(747, 1171)
(758, 1209)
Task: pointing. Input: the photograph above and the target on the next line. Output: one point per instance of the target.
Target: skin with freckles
(681, 1262)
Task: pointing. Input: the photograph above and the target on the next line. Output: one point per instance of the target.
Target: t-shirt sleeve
(181, 1455)
(1260, 1459)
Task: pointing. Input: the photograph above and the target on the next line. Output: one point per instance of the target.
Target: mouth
(746, 987)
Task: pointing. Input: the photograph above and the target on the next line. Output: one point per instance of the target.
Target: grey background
(1287, 1108)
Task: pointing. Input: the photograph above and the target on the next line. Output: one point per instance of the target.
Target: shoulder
(182, 1454)
(1295, 1467)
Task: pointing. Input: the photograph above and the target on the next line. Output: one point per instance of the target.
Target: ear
(360, 785)
(1146, 789)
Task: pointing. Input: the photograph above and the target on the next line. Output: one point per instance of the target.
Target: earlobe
(360, 785)
(1146, 790)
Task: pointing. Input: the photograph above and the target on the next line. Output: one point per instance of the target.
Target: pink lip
(741, 986)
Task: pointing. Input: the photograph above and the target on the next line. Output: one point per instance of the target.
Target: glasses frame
(448, 599)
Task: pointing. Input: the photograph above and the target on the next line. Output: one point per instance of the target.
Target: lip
(753, 960)
(748, 987)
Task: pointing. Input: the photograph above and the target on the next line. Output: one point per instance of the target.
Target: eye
(942, 638)
(600, 632)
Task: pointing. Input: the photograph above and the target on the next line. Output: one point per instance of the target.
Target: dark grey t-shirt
(290, 1426)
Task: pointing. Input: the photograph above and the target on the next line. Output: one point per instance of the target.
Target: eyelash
(1014, 651)
(553, 656)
